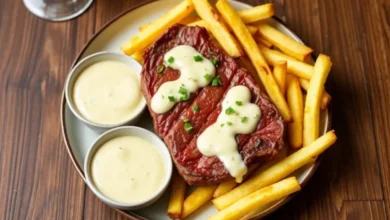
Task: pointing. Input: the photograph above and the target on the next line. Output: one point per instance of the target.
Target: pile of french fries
(285, 69)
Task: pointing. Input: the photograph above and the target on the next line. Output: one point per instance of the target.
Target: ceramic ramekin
(129, 131)
(89, 60)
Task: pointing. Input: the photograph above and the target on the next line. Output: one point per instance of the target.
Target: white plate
(78, 137)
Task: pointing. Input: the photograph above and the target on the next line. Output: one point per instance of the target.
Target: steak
(260, 146)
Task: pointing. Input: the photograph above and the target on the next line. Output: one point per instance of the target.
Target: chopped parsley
(198, 58)
(239, 103)
(230, 111)
(215, 61)
(243, 119)
(207, 76)
(216, 81)
(160, 68)
(186, 120)
(187, 126)
(171, 98)
(182, 90)
(195, 108)
(222, 124)
(171, 60)
(184, 94)
(229, 123)
(184, 98)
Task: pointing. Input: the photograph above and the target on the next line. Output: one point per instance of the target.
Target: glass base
(57, 10)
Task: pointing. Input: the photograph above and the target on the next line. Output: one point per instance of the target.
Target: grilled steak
(260, 146)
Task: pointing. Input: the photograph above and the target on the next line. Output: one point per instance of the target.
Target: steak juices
(192, 112)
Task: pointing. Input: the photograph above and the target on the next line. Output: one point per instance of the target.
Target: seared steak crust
(260, 146)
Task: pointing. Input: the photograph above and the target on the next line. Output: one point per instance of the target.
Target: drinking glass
(57, 10)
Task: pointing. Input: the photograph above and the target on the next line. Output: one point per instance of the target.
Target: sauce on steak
(260, 146)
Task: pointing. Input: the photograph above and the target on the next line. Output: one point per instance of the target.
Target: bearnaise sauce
(128, 169)
(196, 72)
(238, 116)
(107, 92)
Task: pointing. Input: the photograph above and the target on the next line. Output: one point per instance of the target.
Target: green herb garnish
(195, 108)
(171, 98)
(243, 119)
(184, 94)
(215, 61)
(230, 111)
(186, 120)
(239, 103)
(229, 123)
(171, 60)
(184, 98)
(160, 68)
(182, 90)
(187, 126)
(216, 81)
(222, 124)
(198, 58)
(207, 76)
(212, 53)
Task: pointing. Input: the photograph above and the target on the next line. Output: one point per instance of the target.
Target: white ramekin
(129, 131)
(89, 60)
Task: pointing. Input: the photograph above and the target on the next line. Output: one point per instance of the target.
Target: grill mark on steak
(261, 145)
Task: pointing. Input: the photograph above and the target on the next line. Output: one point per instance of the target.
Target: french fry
(249, 15)
(277, 171)
(286, 44)
(279, 157)
(252, 29)
(311, 118)
(229, 185)
(295, 67)
(302, 70)
(202, 23)
(178, 192)
(144, 26)
(250, 46)
(295, 102)
(199, 23)
(138, 56)
(280, 72)
(197, 198)
(258, 198)
(189, 20)
(224, 187)
(156, 28)
(262, 41)
(218, 28)
(325, 99)
(257, 13)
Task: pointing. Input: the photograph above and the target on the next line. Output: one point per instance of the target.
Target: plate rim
(132, 215)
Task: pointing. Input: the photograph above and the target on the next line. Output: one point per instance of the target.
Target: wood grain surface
(38, 180)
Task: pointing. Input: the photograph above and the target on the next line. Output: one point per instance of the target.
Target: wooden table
(38, 180)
